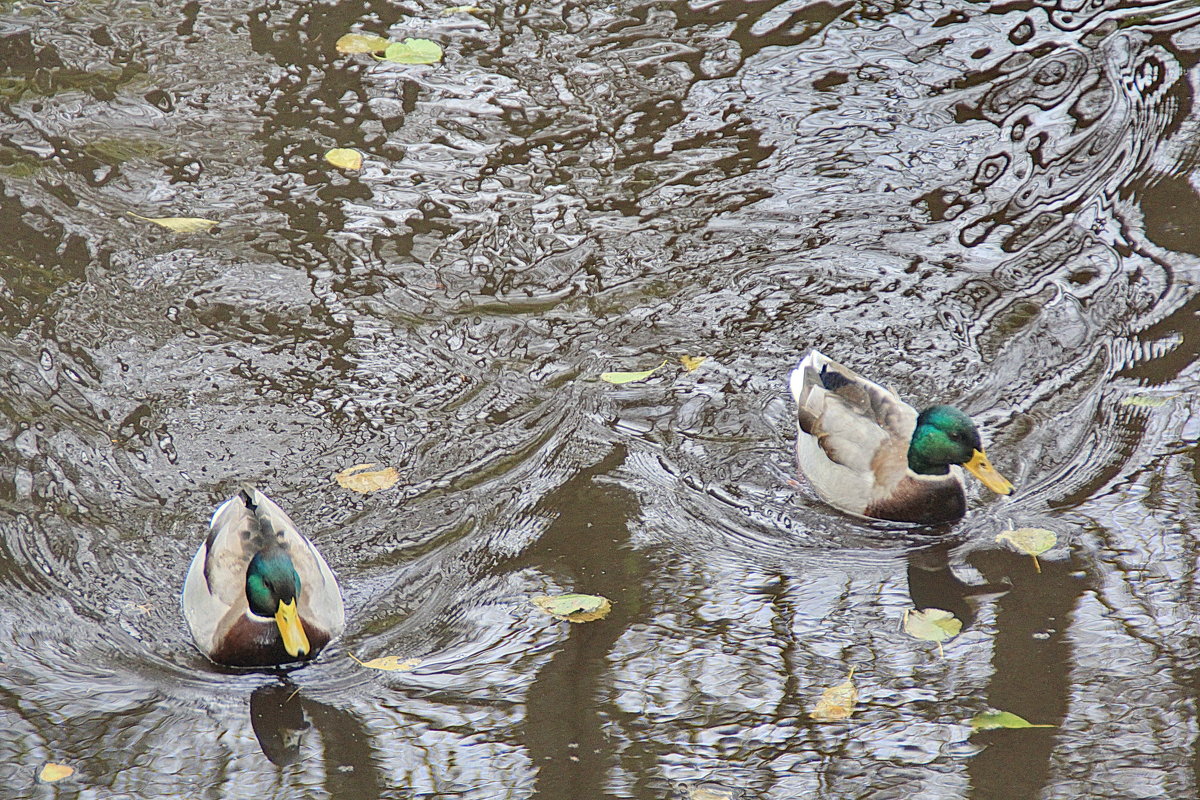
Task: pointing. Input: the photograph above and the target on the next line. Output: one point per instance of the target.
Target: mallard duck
(258, 593)
(869, 453)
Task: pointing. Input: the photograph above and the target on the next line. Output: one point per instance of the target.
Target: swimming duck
(258, 593)
(869, 453)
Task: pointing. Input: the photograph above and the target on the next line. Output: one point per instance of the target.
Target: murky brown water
(989, 206)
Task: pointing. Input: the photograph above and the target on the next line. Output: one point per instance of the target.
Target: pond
(993, 205)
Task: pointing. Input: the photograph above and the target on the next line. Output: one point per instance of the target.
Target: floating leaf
(55, 772)
(992, 720)
(574, 607)
(837, 702)
(1031, 541)
(1148, 400)
(461, 10)
(691, 362)
(932, 625)
(630, 377)
(179, 224)
(711, 791)
(388, 663)
(413, 51)
(359, 479)
(344, 158)
(360, 43)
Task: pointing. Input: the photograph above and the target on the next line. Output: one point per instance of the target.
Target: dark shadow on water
(1031, 672)
(586, 549)
(284, 721)
(932, 583)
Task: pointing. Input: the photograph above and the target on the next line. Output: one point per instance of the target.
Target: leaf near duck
(574, 607)
(362, 479)
(932, 625)
(388, 663)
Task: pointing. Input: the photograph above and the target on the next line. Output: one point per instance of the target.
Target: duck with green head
(869, 453)
(258, 593)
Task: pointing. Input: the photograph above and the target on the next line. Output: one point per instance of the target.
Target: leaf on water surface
(358, 479)
(630, 377)
(837, 702)
(345, 158)
(574, 607)
(1148, 400)
(461, 10)
(361, 43)
(413, 51)
(179, 224)
(991, 720)
(1031, 541)
(388, 663)
(55, 772)
(691, 362)
(711, 791)
(932, 625)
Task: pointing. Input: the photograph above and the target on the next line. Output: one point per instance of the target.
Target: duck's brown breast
(921, 501)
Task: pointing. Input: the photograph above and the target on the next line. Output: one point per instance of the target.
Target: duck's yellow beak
(295, 641)
(982, 468)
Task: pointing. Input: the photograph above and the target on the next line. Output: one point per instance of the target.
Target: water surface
(987, 205)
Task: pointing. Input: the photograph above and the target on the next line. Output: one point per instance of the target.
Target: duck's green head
(946, 436)
(273, 589)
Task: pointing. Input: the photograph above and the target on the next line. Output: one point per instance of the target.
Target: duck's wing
(857, 423)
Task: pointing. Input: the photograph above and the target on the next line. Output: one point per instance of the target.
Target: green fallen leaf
(991, 720)
(345, 158)
(1148, 400)
(413, 51)
(388, 663)
(932, 625)
(179, 224)
(630, 377)
(574, 607)
(360, 43)
(359, 479)
(1031, 541)
(837, 702)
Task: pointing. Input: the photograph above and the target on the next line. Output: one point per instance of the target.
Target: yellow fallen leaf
(691, 362)
(574, 607)
(359, 479)
(360, 43)
(461, 10)
(179, 224)
(388, 663)
(1148, 400)
(345, 158)
(1031, 541)
(837, 702)
(55, 772)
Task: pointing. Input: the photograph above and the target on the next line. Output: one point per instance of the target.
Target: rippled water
(988, 205)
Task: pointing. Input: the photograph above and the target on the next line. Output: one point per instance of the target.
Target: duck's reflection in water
(279, 722)
(933, 584)
(293, 729)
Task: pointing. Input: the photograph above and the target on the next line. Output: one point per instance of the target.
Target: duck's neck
(923, 466)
